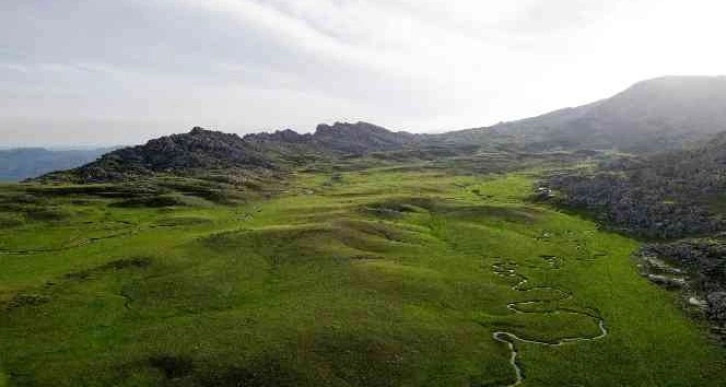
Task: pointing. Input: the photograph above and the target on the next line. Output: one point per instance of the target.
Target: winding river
(509, 270)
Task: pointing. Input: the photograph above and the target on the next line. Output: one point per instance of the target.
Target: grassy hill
(370, 277)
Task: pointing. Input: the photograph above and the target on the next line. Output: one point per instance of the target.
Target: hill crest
(202, 150)
(652, 115)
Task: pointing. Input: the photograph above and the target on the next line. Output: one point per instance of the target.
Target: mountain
(653, 115)
(201, 151)
(23, 163)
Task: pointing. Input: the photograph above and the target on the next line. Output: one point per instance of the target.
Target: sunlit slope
(369, 278)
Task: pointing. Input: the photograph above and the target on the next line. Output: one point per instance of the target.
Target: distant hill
(361, 138)
(23, 163)
(653, 115)
(201, 151)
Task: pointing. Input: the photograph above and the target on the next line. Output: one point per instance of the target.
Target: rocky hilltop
(186, 153)
(201, 150)
(361, 138)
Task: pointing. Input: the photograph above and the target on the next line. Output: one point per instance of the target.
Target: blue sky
(124, 71)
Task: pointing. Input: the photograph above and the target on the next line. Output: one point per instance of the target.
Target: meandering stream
(508, 270)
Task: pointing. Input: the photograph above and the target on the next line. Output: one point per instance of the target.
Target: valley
(385, 275)
(338, 193)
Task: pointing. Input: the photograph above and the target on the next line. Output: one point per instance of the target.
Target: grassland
(379, 277)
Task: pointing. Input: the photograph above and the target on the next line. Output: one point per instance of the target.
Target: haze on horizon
(120, 72)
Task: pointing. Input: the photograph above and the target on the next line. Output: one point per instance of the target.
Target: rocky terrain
(664, 196)
(361, 138)
(702, 263)
(200, 151)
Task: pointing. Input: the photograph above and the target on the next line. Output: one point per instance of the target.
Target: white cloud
(417, 64)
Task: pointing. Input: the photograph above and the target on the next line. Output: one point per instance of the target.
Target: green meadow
(377, 277)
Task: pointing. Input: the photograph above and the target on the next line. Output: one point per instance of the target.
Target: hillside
(668, 195)
(374, 277)
(653, 115)
(675, 199)
(201, 151)
(23, 163)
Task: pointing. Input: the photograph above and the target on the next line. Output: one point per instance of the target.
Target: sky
(103, 72)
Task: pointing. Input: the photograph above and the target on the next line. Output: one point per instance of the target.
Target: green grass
(372, 278)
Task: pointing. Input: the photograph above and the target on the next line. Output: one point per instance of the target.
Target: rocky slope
(201, 151)
(186, 153)
(361, 138)
(668, 195)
